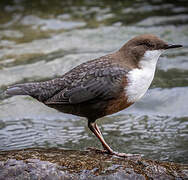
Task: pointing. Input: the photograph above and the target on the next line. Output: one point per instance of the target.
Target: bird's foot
(124, 155)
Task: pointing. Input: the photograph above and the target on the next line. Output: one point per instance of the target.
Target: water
(44, 39)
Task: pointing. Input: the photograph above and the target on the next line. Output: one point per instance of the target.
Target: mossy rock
(58, 164)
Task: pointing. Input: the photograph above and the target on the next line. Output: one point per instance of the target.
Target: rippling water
(44, 39)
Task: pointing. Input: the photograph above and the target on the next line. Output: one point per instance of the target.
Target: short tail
(18, 89)
(38, 90)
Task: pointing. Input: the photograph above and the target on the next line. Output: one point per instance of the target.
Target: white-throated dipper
(101, 86)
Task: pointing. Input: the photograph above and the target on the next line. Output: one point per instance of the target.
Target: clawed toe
(124, 155)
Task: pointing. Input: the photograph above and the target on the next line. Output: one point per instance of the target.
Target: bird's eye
(149, 45)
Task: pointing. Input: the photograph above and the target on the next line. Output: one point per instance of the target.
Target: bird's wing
(99, 84)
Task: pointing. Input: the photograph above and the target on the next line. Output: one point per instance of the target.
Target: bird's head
(145, 48)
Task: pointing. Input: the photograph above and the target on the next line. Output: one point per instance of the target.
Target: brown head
(137, 47)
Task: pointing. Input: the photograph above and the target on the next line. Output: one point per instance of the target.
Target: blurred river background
(42, 39)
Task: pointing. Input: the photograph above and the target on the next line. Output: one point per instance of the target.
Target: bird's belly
(139, 81)
(94, 110)
(88, 110)
(117, 104)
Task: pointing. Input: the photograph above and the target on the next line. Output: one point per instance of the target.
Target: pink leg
(95, 129)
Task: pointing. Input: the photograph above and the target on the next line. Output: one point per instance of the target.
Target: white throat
(139, 79)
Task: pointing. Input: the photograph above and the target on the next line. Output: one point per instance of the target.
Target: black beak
(170, 46)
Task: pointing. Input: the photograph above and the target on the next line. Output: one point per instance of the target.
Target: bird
(101, 86)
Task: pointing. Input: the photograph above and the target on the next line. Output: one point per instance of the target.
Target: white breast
(139, 80)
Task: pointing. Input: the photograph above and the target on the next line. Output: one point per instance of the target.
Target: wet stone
(71, 164)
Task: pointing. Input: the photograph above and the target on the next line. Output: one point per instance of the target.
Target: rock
(57, 164)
